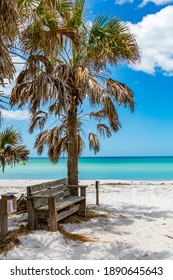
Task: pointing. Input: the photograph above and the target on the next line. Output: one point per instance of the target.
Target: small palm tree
(68, 63)
(11, 150)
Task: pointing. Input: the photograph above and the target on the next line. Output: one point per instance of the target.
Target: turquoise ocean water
(95, 168)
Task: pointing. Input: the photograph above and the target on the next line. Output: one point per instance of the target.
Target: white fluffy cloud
(19, 115)
(156, 2)
(121, 2)
(145, 2)
(154, 37)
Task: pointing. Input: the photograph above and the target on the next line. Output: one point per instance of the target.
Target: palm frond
(110, 41)
(121, 93)
(80, 144)
(12, 155)
(76, 18)
(104, 130)
(3, 100)
(7, 69)
(9, 137)
(38, 120)
(38, 37)
(11, 150)
(93, 142)
(55, 151)
(9, 16)
(94, 91)
(50, 138)
(99, 115)
(110, 112)
(37, 85)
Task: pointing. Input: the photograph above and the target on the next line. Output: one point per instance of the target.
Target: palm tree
(11, 150)
(9, 18)
(73, 66)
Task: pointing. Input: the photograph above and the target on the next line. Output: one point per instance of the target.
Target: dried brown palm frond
(37, 63)
(37, 85)
(38, 120)
(80, 145)
(110, 112)
(104, 130)
(9, 16)
(7, 69)
(11, 239)
(75, 236)
(121, 93)
(81, 77)
(55, 151)
(99, 115)
(93, 142)
(94, 91)
(55, 139)
(64, 71)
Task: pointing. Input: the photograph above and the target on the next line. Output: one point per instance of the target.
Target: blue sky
(149, 130)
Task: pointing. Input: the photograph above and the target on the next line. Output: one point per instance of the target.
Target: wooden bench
(51, 202)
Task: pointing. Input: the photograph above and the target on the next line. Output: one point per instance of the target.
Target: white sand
(139, 225)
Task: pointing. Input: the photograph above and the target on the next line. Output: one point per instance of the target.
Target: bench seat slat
(63, 203)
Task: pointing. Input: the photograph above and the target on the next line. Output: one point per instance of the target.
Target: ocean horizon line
(46, 157)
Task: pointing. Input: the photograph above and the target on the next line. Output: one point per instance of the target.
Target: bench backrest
(58, 188)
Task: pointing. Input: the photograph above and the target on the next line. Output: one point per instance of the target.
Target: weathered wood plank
(31, 212)
(73, 209)
(49, 190)
(46, 185)
(4, 216)
(64, 203)
(52, 214)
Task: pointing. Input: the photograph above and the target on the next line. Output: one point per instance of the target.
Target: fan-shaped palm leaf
(110, 41)
(11, 150)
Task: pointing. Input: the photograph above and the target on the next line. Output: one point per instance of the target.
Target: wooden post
(52, 214)
(30, 209)
(4, 216)
(97, 192)
(82, 210)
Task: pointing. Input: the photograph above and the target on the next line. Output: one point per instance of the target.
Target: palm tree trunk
(72, 150)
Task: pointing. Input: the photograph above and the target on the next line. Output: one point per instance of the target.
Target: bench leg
(52, 214)
(82, 209)
(31, 214)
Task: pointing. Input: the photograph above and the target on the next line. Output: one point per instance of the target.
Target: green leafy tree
(68, 62)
